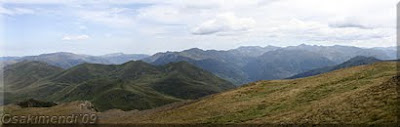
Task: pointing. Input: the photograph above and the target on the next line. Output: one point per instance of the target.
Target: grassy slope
(363, 94)
(24, 73)
(355, 61)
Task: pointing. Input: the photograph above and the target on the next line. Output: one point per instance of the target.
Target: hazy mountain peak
(248, 47)
(194, 50)
(253, 51)
(114, 54)
(255, 47)
(304, 44)
(135, 62)
(56, 53)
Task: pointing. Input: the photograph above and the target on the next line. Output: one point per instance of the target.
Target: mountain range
(252, 63)
(239, 66)
(282, 63)
(295, 84)
(132, 85)
(363, 95)
(225, 64)
(67, 60)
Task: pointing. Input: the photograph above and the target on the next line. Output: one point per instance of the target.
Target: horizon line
(44, 53)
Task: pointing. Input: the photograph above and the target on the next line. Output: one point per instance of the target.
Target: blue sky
(31, 27)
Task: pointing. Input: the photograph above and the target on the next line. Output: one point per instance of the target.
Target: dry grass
(62, 109)
(363, 94)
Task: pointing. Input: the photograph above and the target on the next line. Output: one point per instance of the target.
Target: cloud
(311, 31)
(16, 11)
(159, 15)
(226, 22)
(75, 37)
(349, 25)
(115, 17)
(248, 22)
(349, 22)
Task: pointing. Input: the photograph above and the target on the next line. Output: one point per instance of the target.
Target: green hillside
(133, 85)
(362, 94)
(22, 74)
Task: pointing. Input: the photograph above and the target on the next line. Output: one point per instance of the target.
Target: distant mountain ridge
(340, 54)
(247, 64)
(67, 60)
(355, 61)
(283, 63)
(132, 85)
(226, 64)
(120, 58)
(241, 65)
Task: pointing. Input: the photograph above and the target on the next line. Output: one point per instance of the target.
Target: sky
(97, 27)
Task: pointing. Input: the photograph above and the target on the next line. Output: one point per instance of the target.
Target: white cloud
(175, 24)
(116, 17)
(75, 37)
(226, 22)
(16, 11)
(160, 15)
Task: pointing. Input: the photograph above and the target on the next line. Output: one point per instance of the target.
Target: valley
(267, 85)
(363, 94)
(133, 85)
